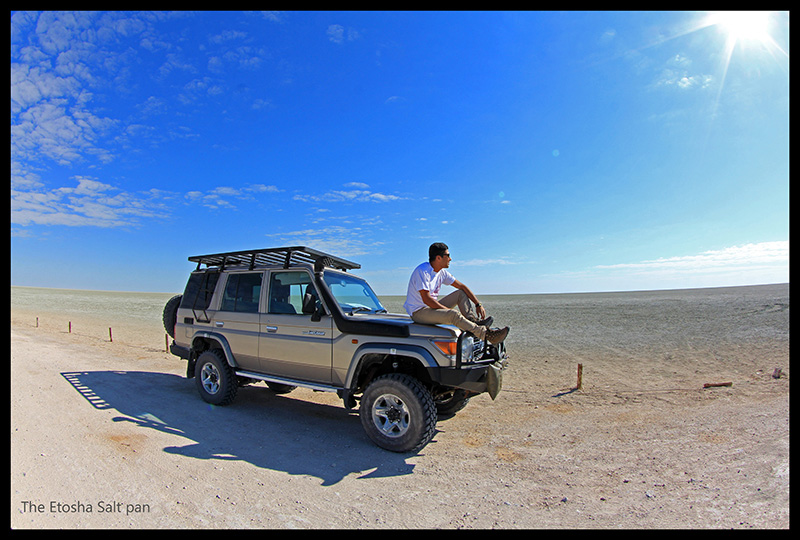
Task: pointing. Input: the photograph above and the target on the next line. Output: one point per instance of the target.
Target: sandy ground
(109, 434)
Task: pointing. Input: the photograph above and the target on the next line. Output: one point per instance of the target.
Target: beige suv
(295, 317)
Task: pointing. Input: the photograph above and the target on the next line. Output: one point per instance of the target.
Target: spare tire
(170, 316)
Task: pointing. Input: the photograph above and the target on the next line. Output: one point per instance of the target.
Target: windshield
(353, 294)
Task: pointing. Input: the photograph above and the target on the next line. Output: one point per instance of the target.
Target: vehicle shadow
(270, 431)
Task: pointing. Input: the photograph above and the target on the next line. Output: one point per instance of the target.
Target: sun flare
(743, 25)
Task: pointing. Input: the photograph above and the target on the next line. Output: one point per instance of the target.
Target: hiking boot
(496, 335)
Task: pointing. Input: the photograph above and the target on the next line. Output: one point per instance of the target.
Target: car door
(238, 318)
(291, 344)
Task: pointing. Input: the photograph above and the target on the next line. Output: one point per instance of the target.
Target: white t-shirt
(425, 279)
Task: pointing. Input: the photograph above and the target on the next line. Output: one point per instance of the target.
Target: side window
(242, 292)
(287, 291)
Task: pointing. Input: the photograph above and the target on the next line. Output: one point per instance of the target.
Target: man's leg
(459, 298)
(428, 315)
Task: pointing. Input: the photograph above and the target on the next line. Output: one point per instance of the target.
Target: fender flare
(413, 351)
(223, 343)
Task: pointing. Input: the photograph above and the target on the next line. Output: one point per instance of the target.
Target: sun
(753, 26)
(744, 25)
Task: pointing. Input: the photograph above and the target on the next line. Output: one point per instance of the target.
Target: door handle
(271, 328)
(219, 324)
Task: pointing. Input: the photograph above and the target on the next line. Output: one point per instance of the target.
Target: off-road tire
(170, 316)
(215, 379)
(449, 403)
(398, 413)
(280, 388)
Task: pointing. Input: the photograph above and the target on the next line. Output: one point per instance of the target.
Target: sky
(553, 152)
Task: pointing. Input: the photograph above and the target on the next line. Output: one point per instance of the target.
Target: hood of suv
(414, 329)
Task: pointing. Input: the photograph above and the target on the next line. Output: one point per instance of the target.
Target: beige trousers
(451, 315)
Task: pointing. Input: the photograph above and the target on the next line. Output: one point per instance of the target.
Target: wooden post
(110, 338)
(580, 377)
(37, 322)
(70, 327)
(166, 342)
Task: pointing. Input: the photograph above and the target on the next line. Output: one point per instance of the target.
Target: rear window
(199, 290)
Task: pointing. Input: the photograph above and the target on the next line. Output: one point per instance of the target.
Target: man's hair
(435, 250)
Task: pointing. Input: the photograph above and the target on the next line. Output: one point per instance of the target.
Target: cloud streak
(344, 241)
(353, 195)
(90, 203)
(744, 257)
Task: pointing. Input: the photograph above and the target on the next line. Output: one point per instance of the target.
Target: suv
(294, 317)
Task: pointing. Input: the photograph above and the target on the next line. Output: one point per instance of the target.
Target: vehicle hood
(414, 329)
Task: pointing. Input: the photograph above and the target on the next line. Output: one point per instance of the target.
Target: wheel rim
(390, 415)
(209, 376)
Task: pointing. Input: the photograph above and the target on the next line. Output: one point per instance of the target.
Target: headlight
(466, 346)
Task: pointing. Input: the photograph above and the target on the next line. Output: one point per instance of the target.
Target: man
(425, 306)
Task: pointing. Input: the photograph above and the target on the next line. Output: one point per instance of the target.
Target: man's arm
(430, 301)
(474, 299)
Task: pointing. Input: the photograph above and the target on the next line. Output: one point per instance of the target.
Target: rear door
(238, 316)
(290, 343)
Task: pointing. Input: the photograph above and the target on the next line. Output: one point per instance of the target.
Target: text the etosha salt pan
(80, 507)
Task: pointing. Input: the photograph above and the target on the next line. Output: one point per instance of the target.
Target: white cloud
(227, 35)
(354, 195)
(747, 255)
(339, 34)
(52, 74)
(92, 203)
(486, 262)
(747, 264)
(218, 197)
(678, 73)
(337, 240)
(67, 66)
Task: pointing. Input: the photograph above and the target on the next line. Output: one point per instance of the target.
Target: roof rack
(281, 255)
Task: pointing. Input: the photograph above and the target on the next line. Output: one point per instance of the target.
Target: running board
(317, 387)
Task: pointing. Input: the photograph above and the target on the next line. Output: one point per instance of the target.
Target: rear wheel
(216, 380)
(280, 388)
(398, 413)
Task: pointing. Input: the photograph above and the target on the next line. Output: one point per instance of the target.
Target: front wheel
(398, 413)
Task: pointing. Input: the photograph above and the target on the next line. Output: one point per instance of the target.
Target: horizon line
(482, 294)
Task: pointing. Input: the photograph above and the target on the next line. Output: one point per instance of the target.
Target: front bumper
(477, 378)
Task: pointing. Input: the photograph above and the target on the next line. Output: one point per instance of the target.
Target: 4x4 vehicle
(295, 317)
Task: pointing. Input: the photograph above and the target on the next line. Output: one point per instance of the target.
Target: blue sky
(553, 152)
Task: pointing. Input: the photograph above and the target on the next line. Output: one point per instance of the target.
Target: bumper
(478, 378)
(177, 350)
